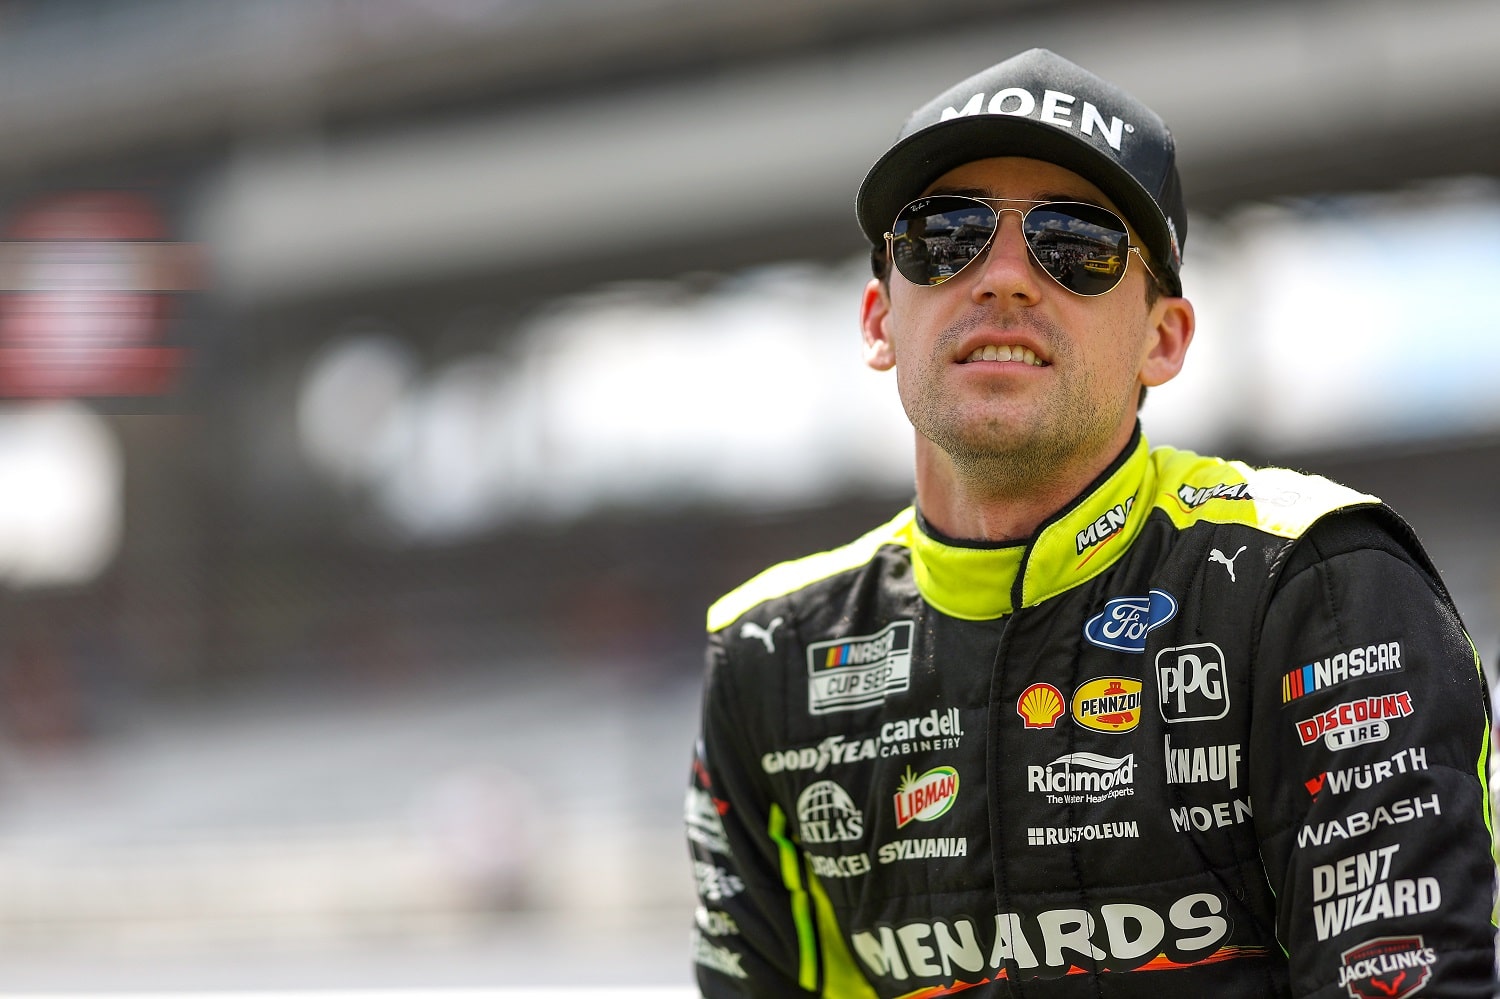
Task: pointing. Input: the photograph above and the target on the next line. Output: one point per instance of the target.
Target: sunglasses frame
(890, 240)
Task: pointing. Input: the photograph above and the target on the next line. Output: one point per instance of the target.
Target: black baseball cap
(1040, 105)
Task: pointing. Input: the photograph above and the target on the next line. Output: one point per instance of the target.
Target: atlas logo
(1040, 705)
(1056, 108)
(924, 798)
(1108, 704)
(1387, 968)
(854, 673)
(826, 814)
(1112, 936)
(1125, 621)
(1191, 683)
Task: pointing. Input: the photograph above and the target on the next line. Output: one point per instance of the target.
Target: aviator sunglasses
(1082, 247)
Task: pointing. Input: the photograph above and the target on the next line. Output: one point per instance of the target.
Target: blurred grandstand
(390, 385)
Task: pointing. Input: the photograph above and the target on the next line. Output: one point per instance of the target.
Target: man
(1091, 718)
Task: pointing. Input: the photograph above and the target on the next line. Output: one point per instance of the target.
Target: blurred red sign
(88, 281)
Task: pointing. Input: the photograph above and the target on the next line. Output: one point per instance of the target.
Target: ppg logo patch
(1125, 621)
(1191, 684)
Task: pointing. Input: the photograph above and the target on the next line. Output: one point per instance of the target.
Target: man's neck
(994, 504)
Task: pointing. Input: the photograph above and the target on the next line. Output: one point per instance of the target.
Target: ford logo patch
(1125, 621)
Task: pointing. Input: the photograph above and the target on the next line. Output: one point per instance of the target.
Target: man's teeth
(991, 352)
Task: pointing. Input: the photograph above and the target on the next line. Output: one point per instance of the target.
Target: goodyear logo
(859, 672)
(1108, 704)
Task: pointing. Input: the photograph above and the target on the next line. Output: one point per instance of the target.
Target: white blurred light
(350, 400)
(60, 495)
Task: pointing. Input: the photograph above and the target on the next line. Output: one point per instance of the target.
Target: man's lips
(1005, 352)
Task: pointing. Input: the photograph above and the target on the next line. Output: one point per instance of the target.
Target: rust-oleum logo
(1108, 704)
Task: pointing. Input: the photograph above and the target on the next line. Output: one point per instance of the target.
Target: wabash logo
(1125, 621)
(1387, 968)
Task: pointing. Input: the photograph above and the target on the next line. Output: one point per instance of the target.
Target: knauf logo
(1054, 108)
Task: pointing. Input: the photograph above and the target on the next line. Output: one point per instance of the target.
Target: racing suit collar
(979, 581)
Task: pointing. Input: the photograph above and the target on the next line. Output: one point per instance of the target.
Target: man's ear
(874, 313)
(1172, 328)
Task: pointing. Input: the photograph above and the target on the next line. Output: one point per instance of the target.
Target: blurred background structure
(389, 385)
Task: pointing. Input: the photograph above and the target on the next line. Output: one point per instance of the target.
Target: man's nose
(1008, 271)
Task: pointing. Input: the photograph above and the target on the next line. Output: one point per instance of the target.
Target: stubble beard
(1019, 449)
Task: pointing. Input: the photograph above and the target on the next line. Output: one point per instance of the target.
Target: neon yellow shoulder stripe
(779, 580)
(1192, 488)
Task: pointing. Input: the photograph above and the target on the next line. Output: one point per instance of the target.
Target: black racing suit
(1212, 731)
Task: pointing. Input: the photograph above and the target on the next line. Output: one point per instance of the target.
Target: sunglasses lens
(935, 237)
(1083, 247)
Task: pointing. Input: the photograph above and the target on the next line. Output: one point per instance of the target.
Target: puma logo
(1227, 561)
(752, 630)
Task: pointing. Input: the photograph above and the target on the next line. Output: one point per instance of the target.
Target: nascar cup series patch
(858, 672)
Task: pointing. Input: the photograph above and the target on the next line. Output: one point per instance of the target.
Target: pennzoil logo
(1040, 705)
(1108, 704)
(924, 798)
(859, 672)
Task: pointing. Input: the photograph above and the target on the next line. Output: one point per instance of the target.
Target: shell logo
(1040, 705)
(1108, 704)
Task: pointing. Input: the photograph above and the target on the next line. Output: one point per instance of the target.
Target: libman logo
(859, 672)
(1108, 704)
(1110, 523)
(924, 798)
(1387, 967)
(1047, 943)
